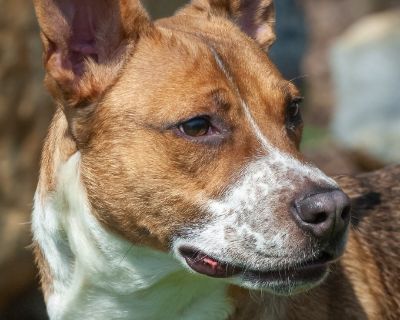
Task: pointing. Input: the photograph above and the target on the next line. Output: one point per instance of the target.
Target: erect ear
(254, 17)
(85, 44)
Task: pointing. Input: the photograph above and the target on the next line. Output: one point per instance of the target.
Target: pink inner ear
(82, 44)
(247, 19)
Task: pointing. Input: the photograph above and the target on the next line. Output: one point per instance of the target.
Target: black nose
(324, 214)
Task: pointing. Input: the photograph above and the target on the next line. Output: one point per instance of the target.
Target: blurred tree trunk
(25, 112)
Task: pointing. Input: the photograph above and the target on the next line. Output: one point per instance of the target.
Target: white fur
(97, 275)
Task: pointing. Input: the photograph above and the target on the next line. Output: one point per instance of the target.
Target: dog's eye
(293, 110)
(196, 127)
(293, 114)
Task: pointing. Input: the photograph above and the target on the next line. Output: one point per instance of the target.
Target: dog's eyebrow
(289, 92)
(220, 100)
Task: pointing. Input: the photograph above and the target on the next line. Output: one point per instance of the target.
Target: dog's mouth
(307, 271)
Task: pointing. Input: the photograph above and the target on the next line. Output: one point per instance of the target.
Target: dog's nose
(324, 214)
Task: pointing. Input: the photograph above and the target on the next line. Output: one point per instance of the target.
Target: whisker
(299, 77)
(25, 223)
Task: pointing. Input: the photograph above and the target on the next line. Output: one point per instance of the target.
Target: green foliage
(314, 136)
(162, 8)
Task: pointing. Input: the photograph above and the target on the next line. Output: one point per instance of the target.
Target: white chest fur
(97, 275)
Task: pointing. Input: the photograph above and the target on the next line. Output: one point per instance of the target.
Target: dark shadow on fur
(364, 204)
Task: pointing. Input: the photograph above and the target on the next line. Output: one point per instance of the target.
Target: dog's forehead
(168, 72)
(201, 55)
(230, 42)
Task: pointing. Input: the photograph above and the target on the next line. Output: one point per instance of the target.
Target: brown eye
(293, 110)
(293, 115)
(196, 127)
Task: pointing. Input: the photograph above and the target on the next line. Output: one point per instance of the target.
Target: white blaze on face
(251, 223)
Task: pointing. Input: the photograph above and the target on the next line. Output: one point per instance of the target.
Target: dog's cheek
(143, 206)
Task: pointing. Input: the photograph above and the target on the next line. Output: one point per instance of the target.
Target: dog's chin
(288, 279)
(284, 285)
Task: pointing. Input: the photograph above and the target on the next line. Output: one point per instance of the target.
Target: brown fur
(145, 77)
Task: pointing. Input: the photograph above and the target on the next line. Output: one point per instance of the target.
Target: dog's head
(189, 137)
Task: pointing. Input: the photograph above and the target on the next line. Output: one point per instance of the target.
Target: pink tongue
(204, 264)
(211, 263)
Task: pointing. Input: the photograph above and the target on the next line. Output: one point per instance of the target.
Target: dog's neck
(97, 275)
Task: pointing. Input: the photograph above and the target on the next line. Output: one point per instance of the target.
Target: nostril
(313, 210)
(346, 213)
(319, 218)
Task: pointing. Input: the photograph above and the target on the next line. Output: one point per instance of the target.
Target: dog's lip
(204, 264)
(306, 271)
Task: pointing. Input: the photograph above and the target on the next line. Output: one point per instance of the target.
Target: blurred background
(344, 55)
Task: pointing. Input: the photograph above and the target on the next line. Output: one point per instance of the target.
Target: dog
(172, 185)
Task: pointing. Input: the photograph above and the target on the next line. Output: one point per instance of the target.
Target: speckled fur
(364, 284)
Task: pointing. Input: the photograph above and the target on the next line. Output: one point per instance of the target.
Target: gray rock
(366, 72)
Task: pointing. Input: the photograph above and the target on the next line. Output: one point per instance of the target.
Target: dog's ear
(85, 44)
(254, 17)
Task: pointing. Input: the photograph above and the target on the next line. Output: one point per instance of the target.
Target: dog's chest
(175, 297)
